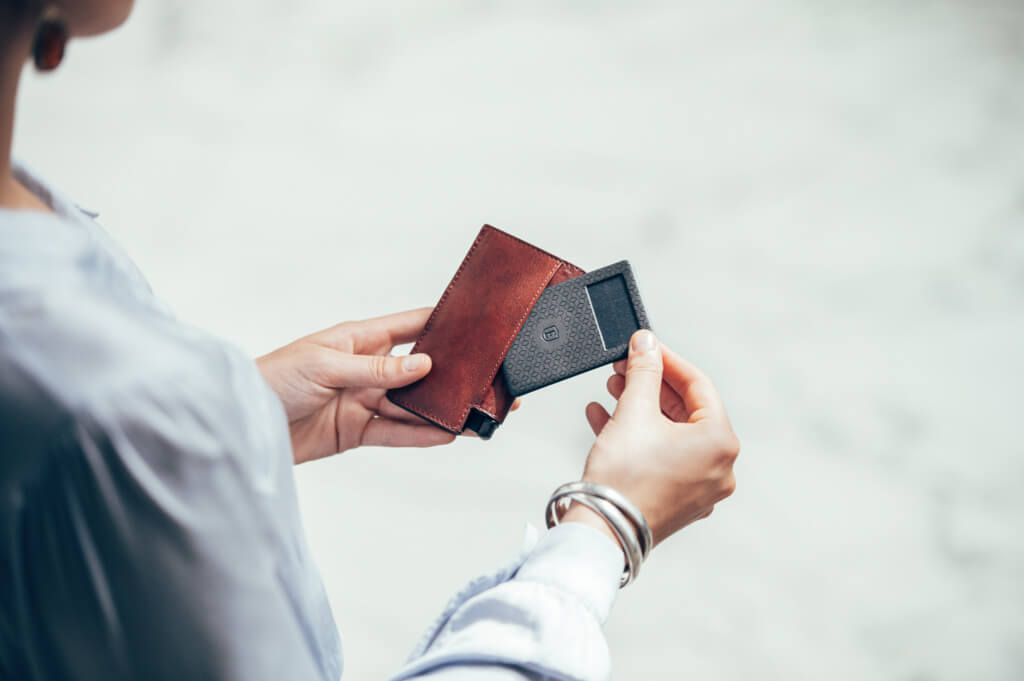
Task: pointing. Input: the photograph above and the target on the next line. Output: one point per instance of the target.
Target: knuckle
(344, 329)
(728, 486)
(347, 338)
(320, 354)
(727, 445)
(318, 363)
(732, 446)
(378, 368)
(636, 368)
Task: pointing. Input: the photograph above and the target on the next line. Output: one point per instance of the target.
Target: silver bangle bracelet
(615, 520)
(620, 501)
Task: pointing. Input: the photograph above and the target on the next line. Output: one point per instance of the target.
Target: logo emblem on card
(577, 325)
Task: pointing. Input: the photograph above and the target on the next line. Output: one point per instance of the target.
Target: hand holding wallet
(471, 329)
(479, 318)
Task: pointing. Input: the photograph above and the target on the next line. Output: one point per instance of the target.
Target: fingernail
(414, 362)
(644, 341)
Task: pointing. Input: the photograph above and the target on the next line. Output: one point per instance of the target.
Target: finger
(394, 329)
(693, 386)
(516, 404)
(389, 409)
(690, 385)
(643, 375)
(671, 404)
(704, 515)
(597, 417)
(377, 335)
(616, 384)
(385, 432)
(343, 370)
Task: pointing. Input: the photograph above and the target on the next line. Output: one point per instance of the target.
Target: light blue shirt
(149, 527)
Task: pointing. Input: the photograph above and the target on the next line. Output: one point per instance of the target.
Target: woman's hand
(332, 384)
(668, 446)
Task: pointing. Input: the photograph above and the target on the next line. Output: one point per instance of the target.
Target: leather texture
(473, 325)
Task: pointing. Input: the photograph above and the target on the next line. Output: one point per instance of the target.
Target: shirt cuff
(580, 560)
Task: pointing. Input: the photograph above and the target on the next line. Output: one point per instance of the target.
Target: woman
(148, 521)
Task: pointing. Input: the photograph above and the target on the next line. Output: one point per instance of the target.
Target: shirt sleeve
(161, 546)
(538, 618)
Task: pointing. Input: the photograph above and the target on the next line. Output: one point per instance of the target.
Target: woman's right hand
(668, 446)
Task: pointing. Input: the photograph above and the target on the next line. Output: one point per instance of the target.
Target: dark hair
(15, 16)
(18, 7)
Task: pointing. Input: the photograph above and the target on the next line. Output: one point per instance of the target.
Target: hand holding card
(513, 319)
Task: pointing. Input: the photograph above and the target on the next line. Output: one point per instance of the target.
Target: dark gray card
(578, 325)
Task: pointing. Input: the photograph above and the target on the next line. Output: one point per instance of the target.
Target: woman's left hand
(332, 384)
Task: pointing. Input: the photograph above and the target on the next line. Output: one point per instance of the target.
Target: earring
(48, 46)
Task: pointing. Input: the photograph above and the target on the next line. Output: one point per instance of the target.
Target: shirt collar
(57, 202)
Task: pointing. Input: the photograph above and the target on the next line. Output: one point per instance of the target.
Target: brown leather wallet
(471, 329)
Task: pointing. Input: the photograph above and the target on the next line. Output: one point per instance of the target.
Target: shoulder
(73, 356)
(81, 345)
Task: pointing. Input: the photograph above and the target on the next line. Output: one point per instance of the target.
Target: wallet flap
(473, 325)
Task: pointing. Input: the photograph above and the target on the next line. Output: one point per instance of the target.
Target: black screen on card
(613, 309)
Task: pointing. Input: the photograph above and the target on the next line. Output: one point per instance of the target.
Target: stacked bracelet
(622, 516)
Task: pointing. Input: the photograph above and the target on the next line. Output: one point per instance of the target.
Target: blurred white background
(824, 205)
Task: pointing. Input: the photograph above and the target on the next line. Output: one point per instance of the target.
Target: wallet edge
(478, 398)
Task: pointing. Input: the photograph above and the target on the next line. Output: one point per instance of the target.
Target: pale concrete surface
(824, 203)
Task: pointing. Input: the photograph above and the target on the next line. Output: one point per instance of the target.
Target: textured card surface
(577, 325)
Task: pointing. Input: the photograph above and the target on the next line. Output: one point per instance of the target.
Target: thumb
(643, 375)
(376, 371)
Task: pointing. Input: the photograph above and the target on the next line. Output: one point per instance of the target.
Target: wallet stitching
(519, 325)
(528, 244)
(444, 297)
(576, 270)
(424, 412)
(434, 417)
(426, 327)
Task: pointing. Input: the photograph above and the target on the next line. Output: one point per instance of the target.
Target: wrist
(578, 513)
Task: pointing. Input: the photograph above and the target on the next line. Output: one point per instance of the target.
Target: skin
(332, 384)
(19, 20)
(668, 445)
